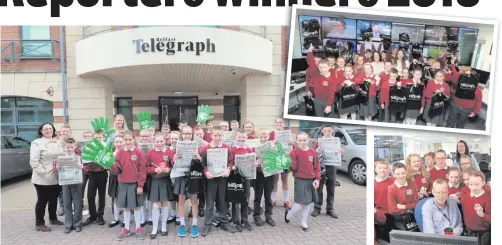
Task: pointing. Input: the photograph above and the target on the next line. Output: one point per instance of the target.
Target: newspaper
(252, 143)
(245, 164)
(260, 149)
(201, 141)
(186, 151)
(283, 138)
(217, 161)
(330, 147)
(145, 147)
(228, 138)
(69, 172)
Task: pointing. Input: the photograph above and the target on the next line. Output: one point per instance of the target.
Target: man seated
(440, 214)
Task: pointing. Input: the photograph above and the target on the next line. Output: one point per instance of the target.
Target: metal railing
(88, 31)
(13, 50)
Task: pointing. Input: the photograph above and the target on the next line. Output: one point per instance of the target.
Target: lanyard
(444, 214)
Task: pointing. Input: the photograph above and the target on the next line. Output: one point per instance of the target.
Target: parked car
(15, 157)
(353, 140)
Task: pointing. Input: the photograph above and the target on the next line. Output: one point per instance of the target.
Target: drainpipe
(63, 72)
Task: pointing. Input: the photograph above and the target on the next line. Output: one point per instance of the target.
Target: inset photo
(433, 187)
(390, 69)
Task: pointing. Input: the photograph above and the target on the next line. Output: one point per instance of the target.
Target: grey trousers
(72, 196)
(389, 116)
(215, 191)
(457, 116)
(328, 180)
(320, 105)
(241, 208)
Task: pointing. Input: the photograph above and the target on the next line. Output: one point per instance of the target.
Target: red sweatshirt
(358, 71)
(158, 159)
(235, 150)
(325, 87)
(208, 136)
(474, 104)
(471, 218)
(203, 154)
(130, 166)
(381, 189)
(406, 81)
(384, 77)
(431, 88)
(271, 136)
(405, 195)
(380, 218)
(421, 181)
(453, 189)
(385, 90)
(437, 173)
(305, 164)
(373, 87)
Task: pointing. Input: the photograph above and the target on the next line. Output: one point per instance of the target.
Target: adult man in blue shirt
(441, 212)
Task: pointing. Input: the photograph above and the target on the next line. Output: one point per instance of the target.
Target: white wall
(297, 50)
(421, 146)
(486, 36)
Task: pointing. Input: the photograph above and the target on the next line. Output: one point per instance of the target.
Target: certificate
(217, 161)
(330, 148)
(145, 147)
(228, 138)
(252, 143)
(186, 151)
(245, 164)
(283, 138)
(69, 172)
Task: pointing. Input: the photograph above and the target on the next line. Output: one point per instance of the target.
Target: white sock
(165, 212)
(142, 212)
(273, 195)
(137, 219)
(116, 211)
(293, 210)
(286, 195)
(182, 220)
(249, 202)
(155, 220)
(127, 219)
(150, 206)
(173, 206)
(194, 221)
(305, 215)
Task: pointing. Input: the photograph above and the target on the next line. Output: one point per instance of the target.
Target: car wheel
(357, 171)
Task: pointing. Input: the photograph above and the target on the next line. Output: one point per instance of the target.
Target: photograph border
(342, 11)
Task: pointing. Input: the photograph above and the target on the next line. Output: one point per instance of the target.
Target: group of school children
(392, 87)
(399, 188)
(149, 186)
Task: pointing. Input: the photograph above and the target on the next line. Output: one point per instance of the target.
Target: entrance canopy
(174, 58)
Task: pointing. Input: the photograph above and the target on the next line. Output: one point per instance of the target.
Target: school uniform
(215, 189)
(415, 91)
(467, 99)
(179, 182)
(161, 187)
(479, 227)
(130, 165)
(328, 179)
(437, 173)
(243, 207)
(113, 184)
(370, 108)
(73, 203)
(427, 98)
(98, 178)
(381, 189)
(453, 189)
(263, 187)
(348, 102)
(407, 195)
(385, 100)
(306, 168)
(208, 136)
(324, 89)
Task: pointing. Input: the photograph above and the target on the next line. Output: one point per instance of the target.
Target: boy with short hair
(63, 134)
(224, 126)
(234, 125)
(98, 177)
(477, 209)
(209, 128)
(402, 197)
(429, 161)
(87, 136)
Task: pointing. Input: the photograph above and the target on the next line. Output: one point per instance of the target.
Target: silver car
(15, 157)
(353, 139)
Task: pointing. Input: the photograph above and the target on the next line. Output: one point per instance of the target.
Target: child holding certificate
(180, 189)
(113, 182)
(174, 136)
(146, 136)
(216, 183)
(306, 169)
(72, 193)
(130, 165)
(160, 191)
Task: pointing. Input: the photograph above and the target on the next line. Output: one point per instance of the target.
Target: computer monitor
(417, 238)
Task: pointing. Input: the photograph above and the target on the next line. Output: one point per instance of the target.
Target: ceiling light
(178, 92)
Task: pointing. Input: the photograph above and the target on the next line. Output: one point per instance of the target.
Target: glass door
(178, 109)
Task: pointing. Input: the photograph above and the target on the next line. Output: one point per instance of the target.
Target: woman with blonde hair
(415, 171)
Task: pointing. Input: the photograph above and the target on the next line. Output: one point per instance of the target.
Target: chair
(418, 212)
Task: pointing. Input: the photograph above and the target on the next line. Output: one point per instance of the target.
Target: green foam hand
(144, 119)
(204, 114)
(103, 123)
(95, 151)
(276, 160)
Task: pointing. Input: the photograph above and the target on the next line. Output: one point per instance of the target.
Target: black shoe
(228, 228)
(205, 230)
(258, 221)
(247, 226)
(67, 230)
(153, 236)
(216, 221)
(238, 227)
(78, 228)
(89, 221)
(56, 222)
(164, 233)
(122, 225)
(270, 221)
(101, 221)
(250, 210)
(113, 223)
(142, 225)
(306, 229)
(316, 212)
(190, 215)
(201, 213)
(120, 212)
(61, 213)
(286, 215)
(178, 223)
(149, 222)
(337, 183)
(171, 219)
(332, 214)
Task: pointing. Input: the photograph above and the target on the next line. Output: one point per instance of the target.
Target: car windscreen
(358, 136)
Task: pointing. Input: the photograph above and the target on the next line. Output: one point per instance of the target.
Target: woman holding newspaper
(43, 151)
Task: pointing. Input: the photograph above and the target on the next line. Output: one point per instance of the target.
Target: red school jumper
(471, 218)
(305, 164)
(422, 182)
(437, 173)
(405, 195)
(381, 189)
(157, 158)
(130, 164)
(373, 87)
(325, 88)
(431, 87)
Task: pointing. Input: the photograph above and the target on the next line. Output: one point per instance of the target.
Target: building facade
(240, 71)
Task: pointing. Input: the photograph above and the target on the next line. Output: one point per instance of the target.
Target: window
(22, 116)
(231, 108)
(390, 148)
(18, 142)
(124, 107)
(36, 41)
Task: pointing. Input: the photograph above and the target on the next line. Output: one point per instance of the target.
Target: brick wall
(285, 44)
(14, 33)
